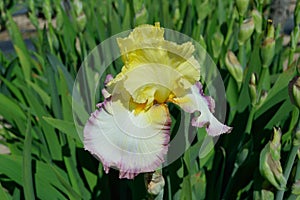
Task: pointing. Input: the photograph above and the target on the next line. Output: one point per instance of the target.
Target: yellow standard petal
(145, 47)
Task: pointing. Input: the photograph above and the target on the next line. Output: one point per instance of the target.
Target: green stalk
(297, 176)
(229, 32)
(289, 165)
(27, 159)
(291, 56)
(263, 75)
(241, 55)
(169, 187)
(250, 121)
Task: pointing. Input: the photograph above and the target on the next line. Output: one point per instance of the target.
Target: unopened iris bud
(234, 67)
(241, 156)
(77, 5)
(294, 91)
(217, 42)
(257, 20)
(202, 42)
(275, 145)
(270, 29)
(296, 141)
(155, 183)
(202, 54)
(263, 97)
(267, 52)
(263, 195)
(47, 10)
(253, 79)
(59, 19)
(246, 30)
(176, 17)
(81, 22)
(252, 89)
(296, 188)
(269, 164)
(242, 6)
(268, 46)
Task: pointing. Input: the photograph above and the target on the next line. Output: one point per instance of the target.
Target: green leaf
(51, 182)
(13, 89)
(232, 98)
(11, 166)
(27, 169)
(72, 194)
(20, 47)
(64, 126)
(10, 109)
(281, 115)
(278, 92)
(254, 67)
(44, 96)
(204, 9)
(91, 178)
(3, 194)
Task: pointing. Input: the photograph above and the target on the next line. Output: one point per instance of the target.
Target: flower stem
(229, 32)
(241, 55)
(263, 76)
(169, 187)
(297, 176)
(250, 121)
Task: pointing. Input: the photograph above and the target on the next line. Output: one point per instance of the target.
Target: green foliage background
(47, 160)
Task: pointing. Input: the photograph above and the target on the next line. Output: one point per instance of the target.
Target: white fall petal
(194, 100)
(133, 145)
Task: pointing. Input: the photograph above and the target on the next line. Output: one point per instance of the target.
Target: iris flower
(130, 130)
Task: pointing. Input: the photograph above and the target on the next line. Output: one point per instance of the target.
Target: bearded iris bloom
(130, 130)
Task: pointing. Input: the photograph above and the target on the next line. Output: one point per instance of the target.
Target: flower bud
(77, 5)
(296, 188)
(263, 97)
(202, 42)
(59, 20)
(81, 22)
(246, 31)
(202, 54)
(234, 66)
(176, 17)
(242, 156)
(275, 145)
(216, 43)
(270, 29)
(47, 10)
(267, 52)
(296, 141)
(269, 164)
(257, 20)
(242, 6)
(154, 182)
(252, 89)
(253, 79)
(294, 91)
(263, 195)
